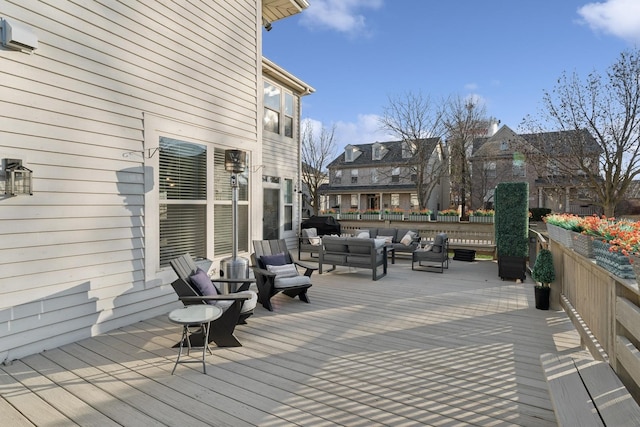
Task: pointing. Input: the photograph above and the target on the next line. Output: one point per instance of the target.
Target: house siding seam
(73, 112)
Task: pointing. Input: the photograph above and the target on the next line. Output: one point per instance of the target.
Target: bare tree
(318, 149)
(465, 120)
(416, 120)
(604, 111)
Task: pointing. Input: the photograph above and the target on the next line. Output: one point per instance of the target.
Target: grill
(324, 224)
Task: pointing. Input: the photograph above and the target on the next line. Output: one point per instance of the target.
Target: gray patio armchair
(276, 271)
(436, 255)
(191, 288)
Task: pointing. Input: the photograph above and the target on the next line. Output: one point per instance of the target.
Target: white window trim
(155, 127)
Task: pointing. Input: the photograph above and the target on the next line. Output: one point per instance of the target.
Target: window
(374, 176)
(338, 177)
(350, 154)
(354, 201)
(223, 231)
(504, 145)
(408, 149)
(288, 204)
(278, 103)
(288, 115)
(186, 197)
(395, 175)
(490, 169)
(414, 201)
(271, 108)
(395, 200)
(183, 199)
(354, 176)
(518, 167)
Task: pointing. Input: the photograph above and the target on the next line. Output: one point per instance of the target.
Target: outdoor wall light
(18, 179)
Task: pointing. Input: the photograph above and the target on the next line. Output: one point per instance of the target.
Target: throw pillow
(363, 234)
(286, 270)
(387, 239)
(407, 239)
(203, 284)
(277, 259)
(315, 241)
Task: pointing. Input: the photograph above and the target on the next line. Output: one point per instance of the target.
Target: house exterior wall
(84, 112)
(281, 153)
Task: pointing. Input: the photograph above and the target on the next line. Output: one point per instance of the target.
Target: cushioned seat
(276, 272)
(436, 255)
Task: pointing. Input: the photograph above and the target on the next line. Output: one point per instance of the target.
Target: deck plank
(414, 348)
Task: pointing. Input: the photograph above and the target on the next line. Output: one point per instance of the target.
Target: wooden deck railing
(605, 310)
(462, 235)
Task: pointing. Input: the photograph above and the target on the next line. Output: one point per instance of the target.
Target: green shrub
(543, 270)
(512, 218)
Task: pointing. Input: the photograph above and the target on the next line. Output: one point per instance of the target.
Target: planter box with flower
(448, 215)
(393, 214)
(352, 214)
(370, 215)
(481, 215)
(421, 215)
(561, 226)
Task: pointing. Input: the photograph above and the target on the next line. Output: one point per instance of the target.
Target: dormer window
(377, 151)
(408, 150)
(350, 153)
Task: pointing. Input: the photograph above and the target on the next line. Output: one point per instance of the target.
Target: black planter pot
(542, 297)
(512, 267)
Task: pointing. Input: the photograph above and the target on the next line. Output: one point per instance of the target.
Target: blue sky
(358, 53)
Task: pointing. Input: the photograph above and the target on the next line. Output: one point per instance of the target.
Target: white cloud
(365, 130)
(471, 86)
(339, 15)
(620, 18)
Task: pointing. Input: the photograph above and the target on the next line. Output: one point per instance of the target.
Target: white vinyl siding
(75, 113)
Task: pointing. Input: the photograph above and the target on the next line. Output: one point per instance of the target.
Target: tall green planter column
(512, 229)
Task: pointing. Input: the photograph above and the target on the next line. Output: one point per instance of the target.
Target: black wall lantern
(18, 179)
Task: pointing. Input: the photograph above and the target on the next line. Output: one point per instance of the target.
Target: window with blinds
(182, 190)
(222, 210)
(185, 194)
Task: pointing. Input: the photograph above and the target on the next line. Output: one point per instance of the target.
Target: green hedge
(512, 218)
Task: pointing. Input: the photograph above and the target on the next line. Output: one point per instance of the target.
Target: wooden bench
(586, 392)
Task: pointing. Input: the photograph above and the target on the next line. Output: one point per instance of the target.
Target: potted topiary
(543, 273)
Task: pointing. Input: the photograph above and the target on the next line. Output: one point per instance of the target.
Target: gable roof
(393, 155)
(532, 142)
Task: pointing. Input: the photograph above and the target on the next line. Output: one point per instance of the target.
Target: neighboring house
(510, 157)
(123, 113)
(382, 176)
(281, 156)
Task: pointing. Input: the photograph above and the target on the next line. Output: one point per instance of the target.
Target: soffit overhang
(273, 10)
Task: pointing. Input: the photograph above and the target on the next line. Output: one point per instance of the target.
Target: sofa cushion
(335, 244)
(335, 258)
(387, 232)
(362, 234)
(288, 282)
(287, 270)
(387, 239)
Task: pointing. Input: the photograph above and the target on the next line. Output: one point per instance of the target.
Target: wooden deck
(414, 348)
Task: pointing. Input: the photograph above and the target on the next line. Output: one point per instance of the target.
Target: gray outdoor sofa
(354, 252)
(396, 234)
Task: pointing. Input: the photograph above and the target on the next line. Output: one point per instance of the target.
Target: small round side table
(200, 315)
